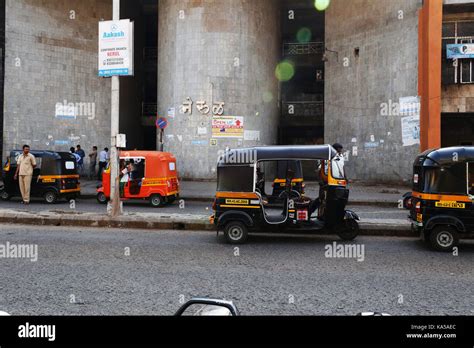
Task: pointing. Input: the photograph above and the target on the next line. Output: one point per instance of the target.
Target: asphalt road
(87, 272)
(189, 207)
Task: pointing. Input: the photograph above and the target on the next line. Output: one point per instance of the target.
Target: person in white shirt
(338, 169)
(125, 177)
(103, 161)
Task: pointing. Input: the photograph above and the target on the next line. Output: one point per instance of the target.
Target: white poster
(251, 135)
(171, 112)
(411, 130)
(409, 106)
(115, 48)
(202, 130)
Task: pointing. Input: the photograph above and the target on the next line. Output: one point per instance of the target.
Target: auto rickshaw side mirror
(207, 307)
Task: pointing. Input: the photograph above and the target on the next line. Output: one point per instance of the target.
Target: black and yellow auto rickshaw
(240, 207)
(54, 177)
(441, 204)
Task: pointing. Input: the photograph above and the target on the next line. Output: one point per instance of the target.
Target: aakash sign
(116, 48)
(460, 51)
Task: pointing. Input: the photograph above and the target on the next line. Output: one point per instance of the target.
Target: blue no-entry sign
(161, 123)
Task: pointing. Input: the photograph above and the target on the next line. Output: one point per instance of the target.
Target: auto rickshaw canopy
(445, 156)
(269, 153)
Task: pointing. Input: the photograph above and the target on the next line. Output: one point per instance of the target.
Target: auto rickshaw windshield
(235, 178)
(446, 179)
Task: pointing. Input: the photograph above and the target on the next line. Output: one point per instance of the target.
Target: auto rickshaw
(441, 204)
(55, 176)
(241, 208)
(152, 176)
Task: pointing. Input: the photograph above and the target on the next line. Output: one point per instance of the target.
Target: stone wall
(217, 51)
(51, 57)
(376, 63)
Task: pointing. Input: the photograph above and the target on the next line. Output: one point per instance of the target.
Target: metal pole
(114, 129)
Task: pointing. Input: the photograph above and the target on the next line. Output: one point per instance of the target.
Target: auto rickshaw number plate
(449, 204)
(236, 201)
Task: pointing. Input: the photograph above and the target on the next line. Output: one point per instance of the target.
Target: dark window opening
(302, 97)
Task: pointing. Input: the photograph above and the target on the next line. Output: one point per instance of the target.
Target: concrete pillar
(217, 51)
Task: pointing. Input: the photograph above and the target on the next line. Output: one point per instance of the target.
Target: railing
(296, 48)
(305, 109)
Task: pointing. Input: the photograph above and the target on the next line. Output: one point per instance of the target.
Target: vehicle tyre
(443, 238)
(348, 230)
(156, 201)
(50, 197)
(293, 194)
(171, 199)
(5, 196)
(235, 232)
(101, 198)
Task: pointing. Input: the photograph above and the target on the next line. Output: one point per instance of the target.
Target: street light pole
(114, 129)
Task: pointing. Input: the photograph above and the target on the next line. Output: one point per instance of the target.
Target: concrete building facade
(51, 60)
(288, 72)
(223, 53)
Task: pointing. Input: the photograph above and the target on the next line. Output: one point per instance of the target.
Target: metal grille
(303, 109)
(294, 49)
(460, 70)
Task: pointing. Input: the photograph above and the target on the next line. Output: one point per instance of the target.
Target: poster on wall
(411, 130)
(116, 48)
(227, 127)
(409, 106)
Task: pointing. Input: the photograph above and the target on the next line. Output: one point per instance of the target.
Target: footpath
(387, 196)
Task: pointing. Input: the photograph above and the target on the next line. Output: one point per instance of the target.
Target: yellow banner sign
(449, 204)
(236, 201)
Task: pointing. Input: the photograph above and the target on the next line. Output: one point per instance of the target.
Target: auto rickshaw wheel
(101, 198)
(156, 201)
(443, 238)
(5, 196)
(348, 230)
(235, 232)
(50, 197)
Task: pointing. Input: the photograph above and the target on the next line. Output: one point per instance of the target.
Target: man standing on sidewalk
(103, 160)
(82, 155)
(92, 162)
(24, 171)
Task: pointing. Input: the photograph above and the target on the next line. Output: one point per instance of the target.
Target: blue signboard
(460, 51)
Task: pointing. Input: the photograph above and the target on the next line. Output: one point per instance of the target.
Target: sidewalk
(157, 221)
(360, 194)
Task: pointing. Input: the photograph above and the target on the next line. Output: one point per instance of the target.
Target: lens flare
(304, 35)
(267, 97)
(321, 5)
(285, 71)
